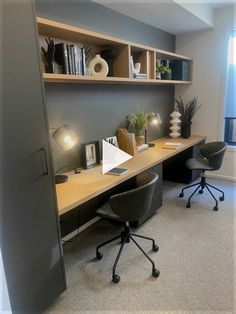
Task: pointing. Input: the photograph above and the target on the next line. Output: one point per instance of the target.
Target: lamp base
(61, 178)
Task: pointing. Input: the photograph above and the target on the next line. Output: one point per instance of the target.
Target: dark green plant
(137, 122)
(162, 69)
(188, 109)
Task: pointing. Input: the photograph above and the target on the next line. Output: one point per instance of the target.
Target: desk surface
(90, 183)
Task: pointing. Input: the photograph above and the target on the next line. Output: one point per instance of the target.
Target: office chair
(210, 160)
(130, 206)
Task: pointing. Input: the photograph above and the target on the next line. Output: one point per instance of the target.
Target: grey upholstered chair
(210, 160)
(130, 206)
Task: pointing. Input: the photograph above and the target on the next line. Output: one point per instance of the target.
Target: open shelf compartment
(120, 67)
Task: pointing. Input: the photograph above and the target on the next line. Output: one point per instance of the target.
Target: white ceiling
(173, 16)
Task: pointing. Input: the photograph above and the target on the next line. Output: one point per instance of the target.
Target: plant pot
(139, 139)
(186, 129)
(166, 76)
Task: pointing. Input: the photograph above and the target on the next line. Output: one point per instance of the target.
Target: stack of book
(140, 75)
(172, 145)
(71, 59)
(143, 147)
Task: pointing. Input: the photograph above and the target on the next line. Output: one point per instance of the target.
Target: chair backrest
(214, 152)
(134, 204)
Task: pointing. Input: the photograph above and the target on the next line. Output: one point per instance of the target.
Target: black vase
(186, 129)
(50, 67)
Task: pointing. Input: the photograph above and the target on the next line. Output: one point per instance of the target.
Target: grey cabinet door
(30, 236)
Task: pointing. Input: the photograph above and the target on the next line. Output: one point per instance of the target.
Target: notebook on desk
(172, 145)
(117, 171)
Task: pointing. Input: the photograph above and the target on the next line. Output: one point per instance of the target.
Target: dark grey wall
(96, 111)
(89, 15)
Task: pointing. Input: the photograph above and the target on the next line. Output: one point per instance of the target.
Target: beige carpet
(195, 260)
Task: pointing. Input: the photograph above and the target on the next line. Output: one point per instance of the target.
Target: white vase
(175, 124)
(135, 68)
(101, 64)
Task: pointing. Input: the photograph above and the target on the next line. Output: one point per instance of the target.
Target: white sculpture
(101, 63)
(135, 68)
(175, 127)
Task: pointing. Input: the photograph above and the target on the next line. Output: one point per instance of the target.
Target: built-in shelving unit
(121, 69)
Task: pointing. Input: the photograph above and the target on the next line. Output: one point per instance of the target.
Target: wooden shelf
(121, 64)
(65, 78)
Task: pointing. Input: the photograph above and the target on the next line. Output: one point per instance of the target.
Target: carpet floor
(196, 261)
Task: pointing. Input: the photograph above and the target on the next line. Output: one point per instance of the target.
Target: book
(143, 147)
(83, 61)
(77, 60)
(72, 51)
(117, 171)
(140, 75)
(69, 59)
(172, 145)
(61, 57)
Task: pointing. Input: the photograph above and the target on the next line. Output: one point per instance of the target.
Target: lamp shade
(154, 119)
(65, 137)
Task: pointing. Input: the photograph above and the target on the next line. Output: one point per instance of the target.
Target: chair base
(125, 237)
(202, 185)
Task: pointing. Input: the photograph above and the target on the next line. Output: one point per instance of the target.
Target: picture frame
(90, 154)
(112, 140)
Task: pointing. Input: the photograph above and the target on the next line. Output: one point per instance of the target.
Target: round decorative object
(98, 66)
(175, 127)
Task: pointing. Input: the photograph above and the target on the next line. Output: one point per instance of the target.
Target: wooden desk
(90, 183)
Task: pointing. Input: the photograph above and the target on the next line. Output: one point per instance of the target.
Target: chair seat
(105, 211)
(198, 164)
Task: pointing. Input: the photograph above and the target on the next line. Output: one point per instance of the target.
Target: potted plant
(164, 70)
(137, 122)
(187, 111)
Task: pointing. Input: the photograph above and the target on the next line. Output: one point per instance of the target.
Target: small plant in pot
(187, 111)
(164, 70)
(137, 122)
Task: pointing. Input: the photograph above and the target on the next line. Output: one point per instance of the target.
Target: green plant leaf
(137, 122)
(188, 109)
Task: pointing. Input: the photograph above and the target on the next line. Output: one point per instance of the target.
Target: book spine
(69, 59)
(61, 57)
(83, 61)
(65, 66)
(72, 49)
(77, 61)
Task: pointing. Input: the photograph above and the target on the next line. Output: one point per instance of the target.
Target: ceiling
(173, 16)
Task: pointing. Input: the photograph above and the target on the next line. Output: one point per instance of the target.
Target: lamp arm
(66, 166)
(145, 135)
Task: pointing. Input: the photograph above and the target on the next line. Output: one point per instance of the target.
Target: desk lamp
(66, 139)
(154, 120)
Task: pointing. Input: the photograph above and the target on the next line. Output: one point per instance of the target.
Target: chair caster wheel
(155, 248)
(99, 255)
(200, 191)
(215, 208)
(222, 198)
(115, 278)
(188, 205)
(155, 273)
(181, 195)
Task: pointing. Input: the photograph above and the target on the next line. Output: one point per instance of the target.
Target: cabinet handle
(43, 149)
